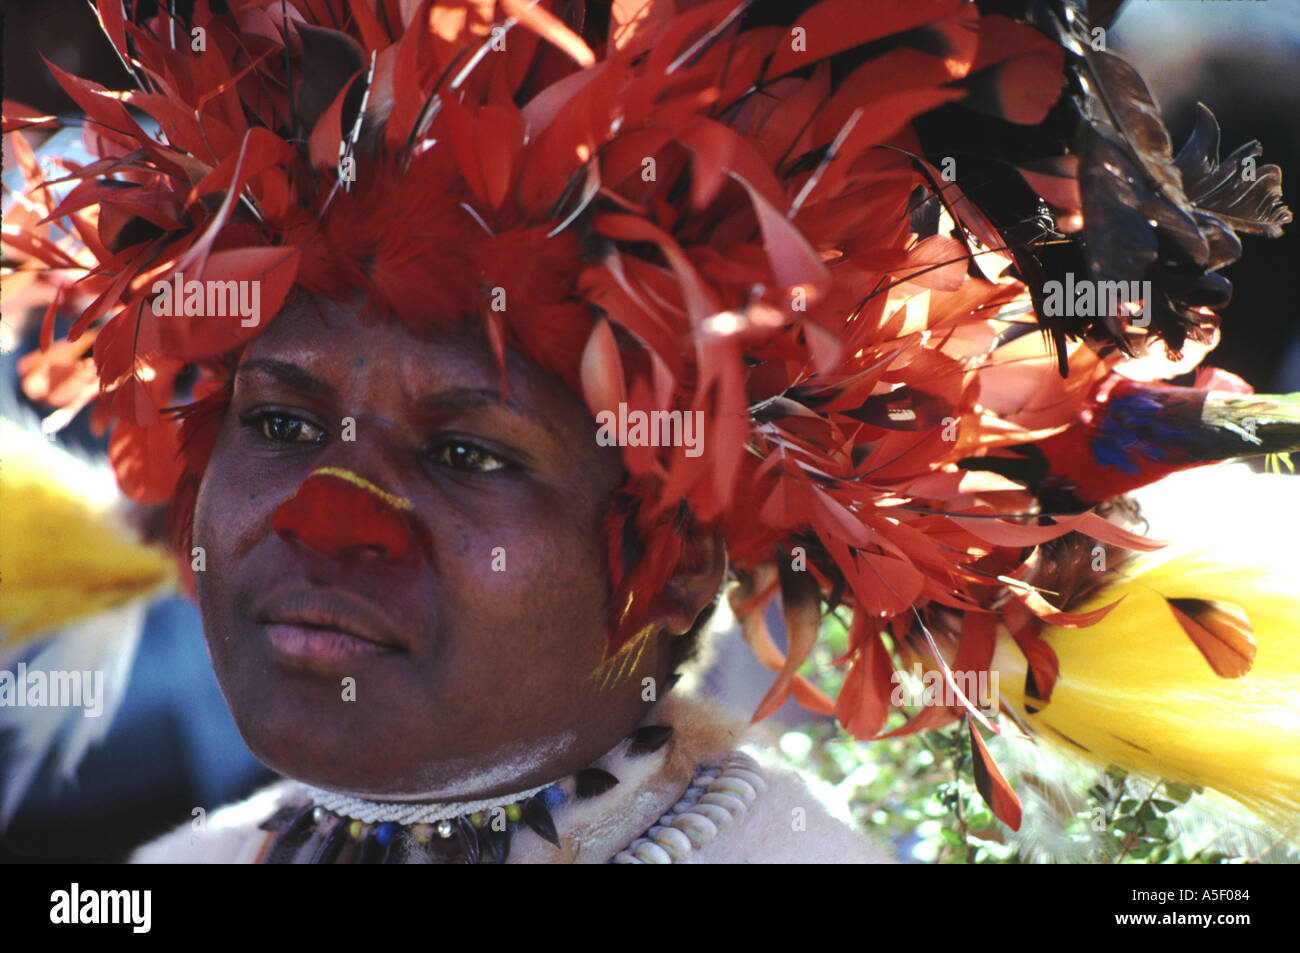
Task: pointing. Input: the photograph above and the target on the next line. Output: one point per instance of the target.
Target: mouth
(321, 630)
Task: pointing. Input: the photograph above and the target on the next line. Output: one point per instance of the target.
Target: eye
(468, 457)
(279, 427)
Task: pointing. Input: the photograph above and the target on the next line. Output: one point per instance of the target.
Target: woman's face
(494, 620)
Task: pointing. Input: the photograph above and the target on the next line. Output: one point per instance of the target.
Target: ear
(692, 587)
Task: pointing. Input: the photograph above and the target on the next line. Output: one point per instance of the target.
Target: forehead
(380, 359)
(339, 331)
(336, 340)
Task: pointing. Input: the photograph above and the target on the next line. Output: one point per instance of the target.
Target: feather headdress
(675, 205)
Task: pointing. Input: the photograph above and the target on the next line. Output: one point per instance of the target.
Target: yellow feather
(65, 553)
(1135, 691)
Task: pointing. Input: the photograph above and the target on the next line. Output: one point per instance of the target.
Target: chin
(345, 751)
(320, 757)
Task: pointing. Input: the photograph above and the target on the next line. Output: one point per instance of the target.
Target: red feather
(993, 787)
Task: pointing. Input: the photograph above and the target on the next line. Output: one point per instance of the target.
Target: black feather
(332, 844)
(647, 739)
(467, 834)
(292, 838)
(538, 816)
(372, 852)
(494, 843)
(281, 819)
(593, 782)
(1246, 204)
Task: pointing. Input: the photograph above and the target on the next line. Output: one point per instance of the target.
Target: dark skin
(494, 690)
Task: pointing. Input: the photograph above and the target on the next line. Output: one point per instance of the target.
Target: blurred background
(173, 746)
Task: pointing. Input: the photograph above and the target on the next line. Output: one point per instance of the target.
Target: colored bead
(384, 833)
(552, 797)
(423, 833)
(514, 812)
(476, 818)
(318, 815)
(445, 829)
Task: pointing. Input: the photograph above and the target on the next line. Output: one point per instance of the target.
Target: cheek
(558, 547)
(238, 495)
(545, 580)
(535, 579)
(226, 512)
(207, 516)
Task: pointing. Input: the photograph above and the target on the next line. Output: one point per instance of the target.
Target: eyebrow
(286, 373)
(459, 399)
(466, 398)
(451, 400)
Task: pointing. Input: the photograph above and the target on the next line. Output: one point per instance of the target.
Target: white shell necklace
(717, 798)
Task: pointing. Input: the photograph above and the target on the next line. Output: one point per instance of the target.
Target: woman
(447, 645)
(551, 317)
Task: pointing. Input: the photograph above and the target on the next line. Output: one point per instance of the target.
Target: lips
(324, 626)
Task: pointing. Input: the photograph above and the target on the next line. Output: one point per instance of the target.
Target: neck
(597, 812)
(503, 772)
(474, 786)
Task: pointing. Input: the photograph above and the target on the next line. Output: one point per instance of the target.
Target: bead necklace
(320, 827)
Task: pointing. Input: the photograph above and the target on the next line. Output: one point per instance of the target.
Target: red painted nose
(336, 510)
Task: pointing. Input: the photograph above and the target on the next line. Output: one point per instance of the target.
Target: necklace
(321, 827)
(718, 796)
(372, 812)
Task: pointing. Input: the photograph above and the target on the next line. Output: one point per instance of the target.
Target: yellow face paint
(392, 499)
(623, 662)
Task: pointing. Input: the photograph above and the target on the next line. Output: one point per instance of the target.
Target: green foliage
(918, 793)
(1134, 827)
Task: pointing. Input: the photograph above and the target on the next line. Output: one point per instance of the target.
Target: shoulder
(793, 820)
(756, 808)
(230, 835)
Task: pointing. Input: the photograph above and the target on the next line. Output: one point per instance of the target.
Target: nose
(336, 510)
